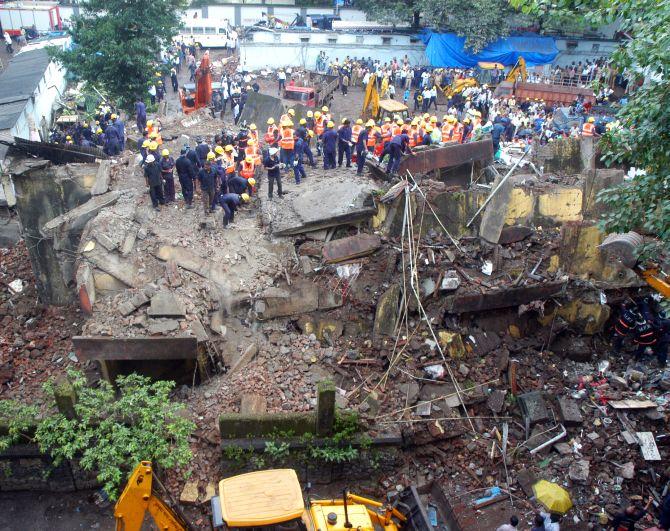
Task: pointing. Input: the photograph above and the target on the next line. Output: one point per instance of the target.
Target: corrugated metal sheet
(18, 82)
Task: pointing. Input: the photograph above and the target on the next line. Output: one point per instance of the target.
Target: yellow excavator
(518, 72)
(271, 499)
(622, 247)
(458, 86)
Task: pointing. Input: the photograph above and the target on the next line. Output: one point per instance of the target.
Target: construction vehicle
(458, 86)
(378, 109)
(622, 247)
(518, 72)
(273, 499)
(194, 97)
(318, 91)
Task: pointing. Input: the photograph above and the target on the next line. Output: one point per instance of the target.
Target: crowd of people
(105, 130)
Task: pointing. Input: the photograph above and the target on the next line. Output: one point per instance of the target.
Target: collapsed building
(458, 302)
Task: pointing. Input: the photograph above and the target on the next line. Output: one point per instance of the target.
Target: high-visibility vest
(254, 153)
(355, 131)
(372, 136)
(284, 118)
(420, 134)
(287, 141)
(386, 131)
(447, 129)
(254, 135)
(229, 161)
(457, 133)
(396, 130)
(588, 129)
(319, 126)
(413, 135)
(247, 170)
(270, 134)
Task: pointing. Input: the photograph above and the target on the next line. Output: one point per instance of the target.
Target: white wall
(288, 50)
(585, 50)
(48, 91)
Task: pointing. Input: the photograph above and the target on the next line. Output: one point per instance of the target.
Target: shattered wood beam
(502, 298)
(135, 348)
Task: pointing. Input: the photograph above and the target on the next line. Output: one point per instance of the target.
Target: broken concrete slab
(351, 247)
(128, 241)
(134, 348)
(493, 299)
(77, 218)
(533, 407)
(163, 326)
(513, 234)
(569, 412)
(103, 178)
(106, 241)
(493, 217)
(410, 391)
(192, 262)
(280, 302)
(648, 446)
(579, 471)
(189, 495)
(246, 357)
(112, 263)
(165, 304)
(386, 315)
(450, 281)
(253, 404)
(216, 323)
(199, 331)
(129, 306)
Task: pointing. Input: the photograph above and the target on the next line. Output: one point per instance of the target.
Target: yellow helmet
(153, 146)
(591, 119)
(466, 121)
(370, 123)
(271, 121)
(414, 122)
(99, 132)
(426, 116)
(219, 150)
(451, 119)
(303, 121)
(251, 142)
(245, 197)
(387, 119)
(359, 122)
(317, 115)
(291, 112)
(68, 137)
(399, 122)
(248, 160)
(211, 155)
(331, 124)
(165, 152)
(252, 127)
(149, 122)
(310, 133)
(145, 144)
(228, 148)
(433, 119)
(445, 118)
(251, 181)
(153, 134)
(310, 114)
(324, 109)
(429, 129)
(158, 74)
(114, 117)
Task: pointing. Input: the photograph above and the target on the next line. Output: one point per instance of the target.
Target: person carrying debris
(240, 185)
(152, 174)
(207, 177)
(187, 173)
(273, 165)
(167, 168)
(344, 143)
(329, 141)
(398, 145)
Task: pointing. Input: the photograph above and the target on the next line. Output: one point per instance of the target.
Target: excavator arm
(138, 498)
(518, 70)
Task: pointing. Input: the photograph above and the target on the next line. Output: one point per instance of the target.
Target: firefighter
(272, 133)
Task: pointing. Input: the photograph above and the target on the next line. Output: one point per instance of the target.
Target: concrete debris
(579, 471)
(165, 304)
(162, 327)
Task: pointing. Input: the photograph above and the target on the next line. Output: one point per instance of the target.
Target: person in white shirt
(512, 526)
(281, 77)
(551, 521)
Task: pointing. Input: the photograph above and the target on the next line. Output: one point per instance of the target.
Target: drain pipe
(550, 441)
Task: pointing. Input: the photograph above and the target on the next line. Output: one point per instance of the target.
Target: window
(198, 31)
(304, 39)
(359, 39)
(386, 41)
(332, 40)
(188, 30)
(222, 30)
(413, 40)
(210, 31)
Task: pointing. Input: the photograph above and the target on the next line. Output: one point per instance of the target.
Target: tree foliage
(17, 421)
(643, 203)
(479, 21)
(118, 41)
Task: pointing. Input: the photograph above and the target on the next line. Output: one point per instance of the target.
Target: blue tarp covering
(447, 50)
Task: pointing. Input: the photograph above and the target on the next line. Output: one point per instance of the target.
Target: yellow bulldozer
(271, 500)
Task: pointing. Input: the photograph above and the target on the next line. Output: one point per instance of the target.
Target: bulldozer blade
(622, 247)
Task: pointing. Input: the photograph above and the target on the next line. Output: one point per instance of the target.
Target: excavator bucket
(622, 247)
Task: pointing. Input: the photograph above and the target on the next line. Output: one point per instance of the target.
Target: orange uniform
(254, 153)
(588, 129)
(247, 169)
(286, 138)
(355, 131)
(270, 134)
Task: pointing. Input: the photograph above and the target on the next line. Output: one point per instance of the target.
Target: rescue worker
(273, 165)
(121, 128)
(253, 132)
(398, 145)
(319, 129)
(202, 149)
(387, 130)
(229, 161)
(325, 114)
(344, 143)
(152, 174)
(207, 178)
(287, 144)
(230, 203)
(141, 112)
(447, 128)
(144, 150)
(153, 150)
(247, 168)
(427, 138)
(329, 141)
(240, 185)
(155, 136)
(356, 130)
(298, 170)
(167, 168)
(272, 134)
(310, 120)
(254, 152)
(113, 141)
(589, 127)
(362, 146)
(457, 132)
(186, 173)
(192, 156)
(467, 130)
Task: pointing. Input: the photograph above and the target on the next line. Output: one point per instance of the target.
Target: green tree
(117, 43)
(112, 432)
(479, 21)
(643, 141)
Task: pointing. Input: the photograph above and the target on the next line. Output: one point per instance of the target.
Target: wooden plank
(632, 404)
(135, 348)
(648, 446)
(350, 247)
(502, 298)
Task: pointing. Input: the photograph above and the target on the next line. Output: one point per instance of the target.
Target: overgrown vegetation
(111, 431)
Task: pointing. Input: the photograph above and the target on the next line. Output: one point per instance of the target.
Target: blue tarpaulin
(447, 50)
